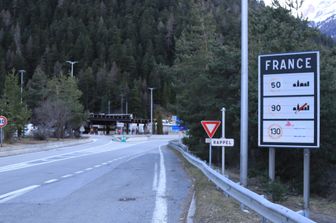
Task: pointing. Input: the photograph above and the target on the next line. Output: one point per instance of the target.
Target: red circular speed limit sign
(3, 121)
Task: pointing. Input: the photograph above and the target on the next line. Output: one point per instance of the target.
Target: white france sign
(289, 100)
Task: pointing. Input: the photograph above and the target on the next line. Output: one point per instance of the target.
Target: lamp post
(21, 72)
(244, 95)
(151, 90)
(72, 63)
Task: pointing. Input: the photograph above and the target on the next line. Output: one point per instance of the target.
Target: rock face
(328, 26)
(322, 14)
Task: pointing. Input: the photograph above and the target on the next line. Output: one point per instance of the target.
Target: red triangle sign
(210, 127)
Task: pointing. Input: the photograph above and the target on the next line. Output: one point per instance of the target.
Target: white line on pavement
(14, 194)
(67, 175)
(66, 156)
(97, 166)
(50, 181)
(79, 172)
(88, 169)
(160, 211)
(154, 187)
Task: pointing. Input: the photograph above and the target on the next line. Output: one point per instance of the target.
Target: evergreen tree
(11, 106)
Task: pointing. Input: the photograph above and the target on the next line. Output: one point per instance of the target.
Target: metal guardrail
(270, 211)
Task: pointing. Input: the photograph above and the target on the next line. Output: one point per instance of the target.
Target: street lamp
(21, 72)
(151, 89)
(72, 63)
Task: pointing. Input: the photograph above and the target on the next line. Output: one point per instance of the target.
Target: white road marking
(79, 172)
(97, 166)
(88, 169)
(65, 156)
(17, 193)
(50, 181)
(160, 211)
(154, 186)
(68, 175)
(103, 164)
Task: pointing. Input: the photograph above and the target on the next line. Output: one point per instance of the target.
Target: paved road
(102, 181)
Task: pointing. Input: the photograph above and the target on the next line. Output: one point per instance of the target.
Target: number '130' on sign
(289, 100)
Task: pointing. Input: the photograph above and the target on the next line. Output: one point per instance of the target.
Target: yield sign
(210, 127)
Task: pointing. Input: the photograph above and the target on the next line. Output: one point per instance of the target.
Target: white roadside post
(223, 136)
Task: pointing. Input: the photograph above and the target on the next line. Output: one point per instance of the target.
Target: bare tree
(51, 117)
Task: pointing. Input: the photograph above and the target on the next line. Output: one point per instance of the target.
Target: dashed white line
(50, 181)
(79, 172)
(97, 166)
(16, 193)
(67, 175)
(88, 169)
(103, 164)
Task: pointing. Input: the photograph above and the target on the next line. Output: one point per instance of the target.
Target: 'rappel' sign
(222, 142)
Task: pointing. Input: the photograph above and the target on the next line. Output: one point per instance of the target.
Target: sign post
(223, 136)
(289, 106)
(210, 128)
(3, 123)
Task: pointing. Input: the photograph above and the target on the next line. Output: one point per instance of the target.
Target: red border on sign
(205, 126)
(6, 121)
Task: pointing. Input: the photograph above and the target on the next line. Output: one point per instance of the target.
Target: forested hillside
(117, 45)
(189, 50)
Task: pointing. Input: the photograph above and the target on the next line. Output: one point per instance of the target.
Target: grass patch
(212, 206)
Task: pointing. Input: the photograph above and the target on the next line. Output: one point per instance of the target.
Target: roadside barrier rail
(268, 210)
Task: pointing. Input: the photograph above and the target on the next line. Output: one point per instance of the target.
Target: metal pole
(223, 136)
(126, 106)
(151, 89)
(72, 63)
(244, 95)
(151, 111)
(21, 82)
(72, 69)
(210, 154)
(271, 164)
(1, 136)
(121, 104)
(306, 181)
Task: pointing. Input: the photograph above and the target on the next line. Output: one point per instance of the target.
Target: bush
(40, 134)
(277, 190)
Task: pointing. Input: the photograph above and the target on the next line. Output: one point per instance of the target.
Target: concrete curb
(21, 149)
